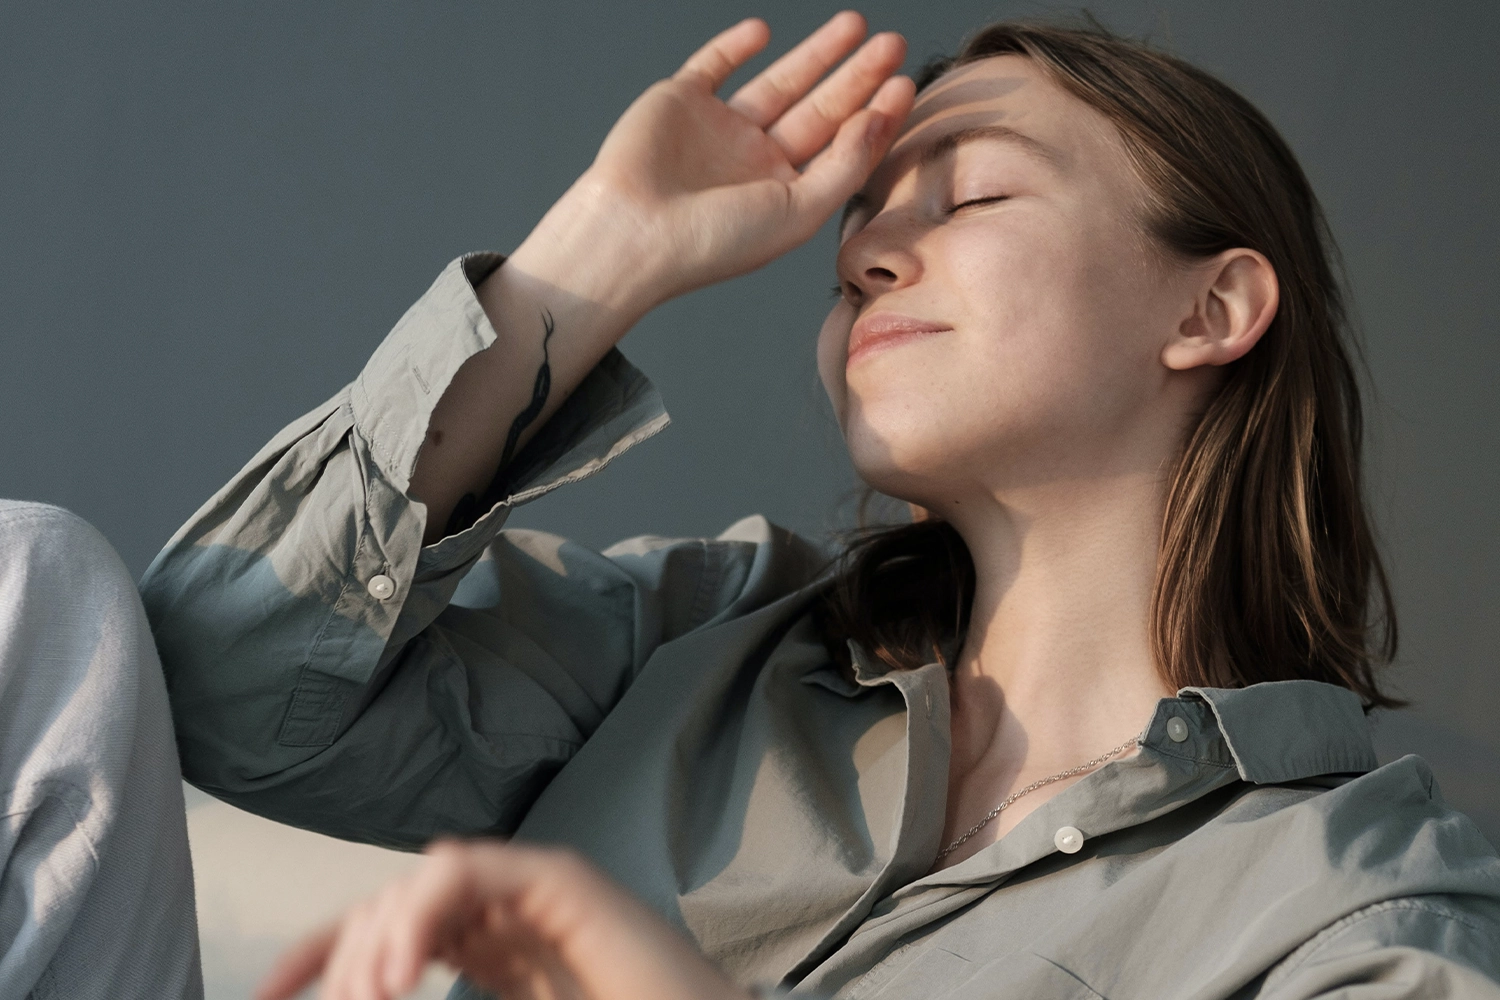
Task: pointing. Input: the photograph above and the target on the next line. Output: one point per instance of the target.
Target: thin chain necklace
(1010, 799)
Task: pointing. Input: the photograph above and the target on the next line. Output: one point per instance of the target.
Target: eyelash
(836, 292)
(976, 201)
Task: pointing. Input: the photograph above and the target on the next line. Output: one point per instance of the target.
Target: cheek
(833, 347)
(1062, 315)
(1050, 346)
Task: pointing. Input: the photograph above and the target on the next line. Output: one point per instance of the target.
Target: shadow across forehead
(941, 97)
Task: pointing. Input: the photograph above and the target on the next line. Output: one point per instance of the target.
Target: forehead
(1006, 97)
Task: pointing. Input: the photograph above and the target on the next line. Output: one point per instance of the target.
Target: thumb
(299, 966)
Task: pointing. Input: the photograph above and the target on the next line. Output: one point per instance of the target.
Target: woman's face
(1003, 316)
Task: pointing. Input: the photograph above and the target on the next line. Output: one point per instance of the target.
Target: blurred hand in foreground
(523, 922)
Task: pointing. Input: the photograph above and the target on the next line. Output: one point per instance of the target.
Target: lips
(880, 330)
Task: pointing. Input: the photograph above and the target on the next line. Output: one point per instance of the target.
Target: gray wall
(210, 214)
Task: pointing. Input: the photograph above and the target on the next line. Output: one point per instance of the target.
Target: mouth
(881, 330)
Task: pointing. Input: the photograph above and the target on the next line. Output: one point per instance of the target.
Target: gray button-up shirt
(668, 708)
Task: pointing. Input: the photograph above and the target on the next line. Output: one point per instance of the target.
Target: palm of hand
(684, 141)
(722, 187)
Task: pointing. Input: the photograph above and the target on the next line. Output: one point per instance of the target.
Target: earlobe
(1233, 306)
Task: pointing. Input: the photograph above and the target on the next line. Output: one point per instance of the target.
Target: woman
(1093, 725)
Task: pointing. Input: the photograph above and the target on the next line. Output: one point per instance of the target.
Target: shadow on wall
(1467, 772)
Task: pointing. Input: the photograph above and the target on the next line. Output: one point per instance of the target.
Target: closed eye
(972, 202)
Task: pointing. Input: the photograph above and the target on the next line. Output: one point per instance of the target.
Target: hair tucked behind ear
(1268, 567)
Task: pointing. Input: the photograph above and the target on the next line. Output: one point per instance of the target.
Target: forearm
(577, 284)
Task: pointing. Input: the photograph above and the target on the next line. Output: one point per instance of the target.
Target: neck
(1057, 666)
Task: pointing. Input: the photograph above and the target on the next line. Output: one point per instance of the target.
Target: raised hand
(704, 189)
(522, 922)
(687, 190)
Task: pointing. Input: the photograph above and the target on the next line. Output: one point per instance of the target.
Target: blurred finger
(297, 967)
(342, 971)
(438, 905)
(809, 125)
(379, 933)
(783, 83)
(725, 53)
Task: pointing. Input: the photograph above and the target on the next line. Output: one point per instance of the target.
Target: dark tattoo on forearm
(469, 507)
(539, 392)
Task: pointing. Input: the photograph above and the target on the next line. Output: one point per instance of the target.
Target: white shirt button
(1177, 730)
(381, 587)
(1069, 839)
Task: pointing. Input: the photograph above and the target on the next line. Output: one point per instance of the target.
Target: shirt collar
(1200, 741)
(1271, 732)
(1279, 731)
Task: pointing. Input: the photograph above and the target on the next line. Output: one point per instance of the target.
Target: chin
(911, 467)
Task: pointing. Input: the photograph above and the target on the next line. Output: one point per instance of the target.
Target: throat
(1031, 739)
(1057, 667)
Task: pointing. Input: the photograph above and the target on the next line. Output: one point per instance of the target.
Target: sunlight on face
(1003, 316)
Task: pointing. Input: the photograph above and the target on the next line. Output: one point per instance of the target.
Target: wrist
(594, 248)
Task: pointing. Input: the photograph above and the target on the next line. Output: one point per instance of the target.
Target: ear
(1236, 295)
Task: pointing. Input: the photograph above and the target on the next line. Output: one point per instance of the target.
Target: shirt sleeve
(320, 670)
(1428, 947)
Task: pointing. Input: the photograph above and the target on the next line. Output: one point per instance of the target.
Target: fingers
(837, 172)
(783, 83)
(344, 969)
(809, 125)
(528, 920)
(725, 52)
(439, 905)
(300, 966)
(372, 953)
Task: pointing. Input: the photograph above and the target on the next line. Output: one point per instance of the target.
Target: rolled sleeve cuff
(615, 408)
(612, 410)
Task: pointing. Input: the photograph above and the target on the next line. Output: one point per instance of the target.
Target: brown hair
(1268, 566)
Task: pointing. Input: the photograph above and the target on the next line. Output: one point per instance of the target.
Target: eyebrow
(959, 137)
(948, 143)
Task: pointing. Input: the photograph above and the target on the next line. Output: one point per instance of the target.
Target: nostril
(880, 273)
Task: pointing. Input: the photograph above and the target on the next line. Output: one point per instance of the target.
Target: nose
(879, 258)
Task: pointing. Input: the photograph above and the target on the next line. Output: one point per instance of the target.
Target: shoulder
(1396, 815)
(1381, 859)
(666, 586)
(1304, 875)
(1388, 828)
(750, 563)
(1438, 941)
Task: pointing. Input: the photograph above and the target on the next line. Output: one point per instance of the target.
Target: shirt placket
(925, 691)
